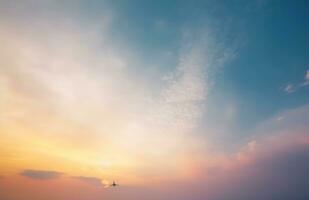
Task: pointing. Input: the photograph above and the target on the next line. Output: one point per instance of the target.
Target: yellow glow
(66, 108)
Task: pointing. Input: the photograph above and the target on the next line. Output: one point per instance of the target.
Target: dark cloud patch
(90, 180)
(41, 174)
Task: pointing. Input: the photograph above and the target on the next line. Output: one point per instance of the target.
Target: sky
(172, 100)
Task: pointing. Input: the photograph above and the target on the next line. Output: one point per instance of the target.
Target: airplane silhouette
(114, 184)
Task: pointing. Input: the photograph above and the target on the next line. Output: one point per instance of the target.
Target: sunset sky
(171, 99)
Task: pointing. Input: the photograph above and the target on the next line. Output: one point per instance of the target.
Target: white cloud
(290, 88)
(307, 75)
(306, 81)
(280, 118)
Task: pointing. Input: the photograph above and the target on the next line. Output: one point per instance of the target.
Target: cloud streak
(41, 174)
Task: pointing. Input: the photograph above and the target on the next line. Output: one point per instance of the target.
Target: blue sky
(268, 40)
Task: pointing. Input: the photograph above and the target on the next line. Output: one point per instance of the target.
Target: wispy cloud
(290, 88)
(306, 81)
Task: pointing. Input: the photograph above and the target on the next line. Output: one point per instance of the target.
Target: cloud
(41, 174)
(306, 81)
(290, 88)
(90, 180)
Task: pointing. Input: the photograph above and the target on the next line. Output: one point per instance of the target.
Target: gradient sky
(172, 99)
